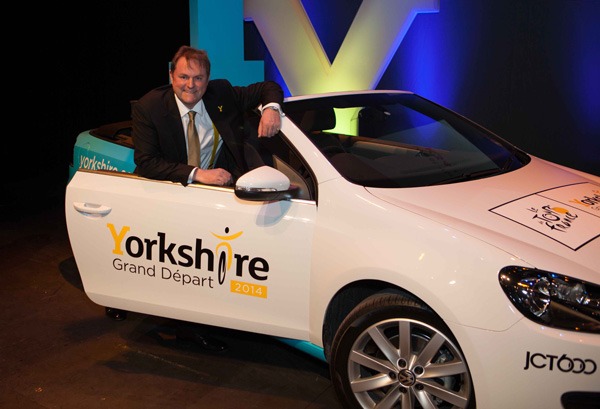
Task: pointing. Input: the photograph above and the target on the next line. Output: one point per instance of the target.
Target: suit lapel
(173, 120)
(221, 115)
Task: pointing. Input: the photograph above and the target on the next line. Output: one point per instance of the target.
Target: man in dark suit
(160, 119)
(195, 114)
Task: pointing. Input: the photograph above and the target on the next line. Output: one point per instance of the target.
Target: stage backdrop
(526, 69)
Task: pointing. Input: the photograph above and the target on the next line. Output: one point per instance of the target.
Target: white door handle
(91, 209)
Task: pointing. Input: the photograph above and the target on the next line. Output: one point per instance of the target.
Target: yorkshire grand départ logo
(195, 264)
(94, 163)
(587, 201)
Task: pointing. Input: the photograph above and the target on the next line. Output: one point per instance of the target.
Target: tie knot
(192, 114)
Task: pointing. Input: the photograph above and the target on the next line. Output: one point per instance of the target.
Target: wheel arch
(348, 297)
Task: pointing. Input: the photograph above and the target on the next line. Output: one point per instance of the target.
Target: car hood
(546, 215)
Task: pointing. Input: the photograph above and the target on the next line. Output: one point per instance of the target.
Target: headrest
(318, 120)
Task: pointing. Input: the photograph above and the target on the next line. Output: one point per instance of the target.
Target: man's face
(189, 81)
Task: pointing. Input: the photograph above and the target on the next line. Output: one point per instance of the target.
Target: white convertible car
(430, 263)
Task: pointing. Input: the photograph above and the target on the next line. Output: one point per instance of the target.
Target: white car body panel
(410, 251)
(498, 364)
(282, 230)
(472, 207)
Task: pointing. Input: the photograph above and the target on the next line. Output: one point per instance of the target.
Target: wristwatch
(274, 108)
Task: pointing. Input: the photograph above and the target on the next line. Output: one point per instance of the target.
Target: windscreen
(401, 140)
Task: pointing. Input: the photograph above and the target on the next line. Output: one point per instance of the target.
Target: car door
(196, 253)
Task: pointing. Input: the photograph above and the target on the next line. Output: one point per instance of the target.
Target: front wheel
(391, 352)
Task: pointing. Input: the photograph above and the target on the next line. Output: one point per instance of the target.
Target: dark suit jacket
(159, 137)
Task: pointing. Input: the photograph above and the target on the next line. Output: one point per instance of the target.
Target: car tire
(369, 368)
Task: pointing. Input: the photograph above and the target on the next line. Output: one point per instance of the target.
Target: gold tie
(193, 141)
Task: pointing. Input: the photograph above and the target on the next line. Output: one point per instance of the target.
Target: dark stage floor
(58, 350)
